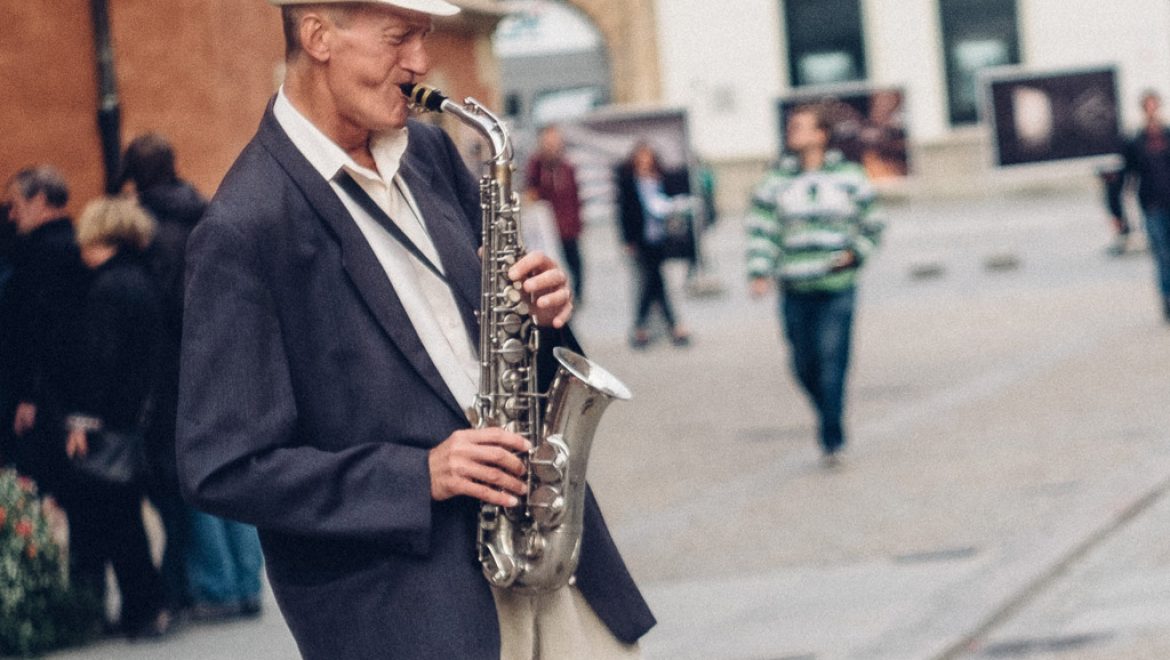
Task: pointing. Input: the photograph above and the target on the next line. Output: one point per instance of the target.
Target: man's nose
(416, 59)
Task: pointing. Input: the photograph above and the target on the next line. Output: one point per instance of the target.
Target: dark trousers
(572, 252)
(818, 327)
(1158, 234)
(105, 526)
(176, 520)
(650, 258)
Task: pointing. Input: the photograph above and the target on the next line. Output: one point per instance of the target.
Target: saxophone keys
(513, 351)
(512, 324)
(550, 460)
(515, 407)
(546, 505)
(511, 380)
(513, 296)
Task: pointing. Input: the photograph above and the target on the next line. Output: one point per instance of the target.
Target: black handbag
(114, 457)
(117, 457)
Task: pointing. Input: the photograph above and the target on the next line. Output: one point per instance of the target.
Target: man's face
(551, 142)
(26, 214)
(803, 133)
(1151, 106)
(373, 51)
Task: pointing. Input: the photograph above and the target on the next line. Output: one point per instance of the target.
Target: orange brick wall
(200, 71)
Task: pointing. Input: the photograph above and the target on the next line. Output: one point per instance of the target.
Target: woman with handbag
(114, 371)
(645, 204)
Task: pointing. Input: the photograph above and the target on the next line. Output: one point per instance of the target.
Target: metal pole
(109, 117)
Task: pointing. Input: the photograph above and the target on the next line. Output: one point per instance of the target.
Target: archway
(561, 57)
(554, 65)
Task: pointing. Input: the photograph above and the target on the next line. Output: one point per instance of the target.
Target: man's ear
(316, 32)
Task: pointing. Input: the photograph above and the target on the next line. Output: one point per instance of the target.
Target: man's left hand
(546, 287)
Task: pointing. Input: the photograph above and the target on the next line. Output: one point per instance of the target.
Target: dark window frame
(809, 39)
(970, 20)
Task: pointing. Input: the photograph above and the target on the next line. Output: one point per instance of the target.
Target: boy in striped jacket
(810, 229)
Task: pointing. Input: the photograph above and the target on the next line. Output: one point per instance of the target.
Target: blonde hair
(116, 221)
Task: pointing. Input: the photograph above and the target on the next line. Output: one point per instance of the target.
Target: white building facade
(728, 62)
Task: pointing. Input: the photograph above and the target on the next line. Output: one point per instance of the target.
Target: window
(976, 34)
(825, 43)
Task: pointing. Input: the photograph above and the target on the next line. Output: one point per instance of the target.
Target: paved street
(1004, 491)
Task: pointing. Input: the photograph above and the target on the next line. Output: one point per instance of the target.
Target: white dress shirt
(429, 302)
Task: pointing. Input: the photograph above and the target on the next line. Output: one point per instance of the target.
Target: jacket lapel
(457, 249)
(358, 259)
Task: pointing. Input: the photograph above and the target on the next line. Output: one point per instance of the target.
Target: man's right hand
(25, 418)
(480, 463)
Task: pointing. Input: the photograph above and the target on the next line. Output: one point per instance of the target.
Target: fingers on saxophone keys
(495, 435)
(490, 495)
(548, 281)
(493, 485)
(535, 261)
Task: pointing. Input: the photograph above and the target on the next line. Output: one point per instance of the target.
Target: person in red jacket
(551, 178)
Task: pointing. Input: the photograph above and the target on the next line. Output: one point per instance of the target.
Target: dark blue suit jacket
(308, 406)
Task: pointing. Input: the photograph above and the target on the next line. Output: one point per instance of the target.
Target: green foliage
(38, 611)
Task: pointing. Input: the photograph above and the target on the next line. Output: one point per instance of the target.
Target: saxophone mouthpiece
(424, 97)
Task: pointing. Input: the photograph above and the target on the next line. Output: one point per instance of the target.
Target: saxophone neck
(470, 112)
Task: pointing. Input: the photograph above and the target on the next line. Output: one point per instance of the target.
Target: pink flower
(3, 515)
(24, 529)
(26, 484)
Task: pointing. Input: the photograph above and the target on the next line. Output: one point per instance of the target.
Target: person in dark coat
(40, 325)
(113, 370)
(327, 372)
(1147, 167)
(149, 163)
(8, 242)
(645, 192)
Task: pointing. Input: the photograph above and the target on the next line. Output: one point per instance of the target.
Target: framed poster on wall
(1039, 117)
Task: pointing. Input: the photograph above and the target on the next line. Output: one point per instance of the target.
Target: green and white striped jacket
(802, 223)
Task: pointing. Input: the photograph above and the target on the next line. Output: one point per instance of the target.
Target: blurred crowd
(90, 324)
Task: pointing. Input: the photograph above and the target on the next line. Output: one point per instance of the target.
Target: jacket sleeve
(764, 232)
(628, 206)
(870, 224)
(239, 453)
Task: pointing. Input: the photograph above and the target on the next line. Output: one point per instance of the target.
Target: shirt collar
(327, 157)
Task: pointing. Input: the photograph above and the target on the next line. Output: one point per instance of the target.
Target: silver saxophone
(534, 546)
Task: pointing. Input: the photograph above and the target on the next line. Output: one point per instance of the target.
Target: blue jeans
(818, 327)
(1158, 233)
(224, 561)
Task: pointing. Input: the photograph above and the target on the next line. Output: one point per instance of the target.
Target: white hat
(434, 7)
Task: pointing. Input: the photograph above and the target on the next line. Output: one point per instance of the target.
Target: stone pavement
(1003, 495)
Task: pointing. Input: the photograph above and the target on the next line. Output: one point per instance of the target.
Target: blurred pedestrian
(112, 371)
(552, 178)
(648, 197)
(7, 265)
(149, 163)
(40, 325)
(224, 562)
(810, 228)
(1147, 161)
(7, 247)
(1113, 185)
